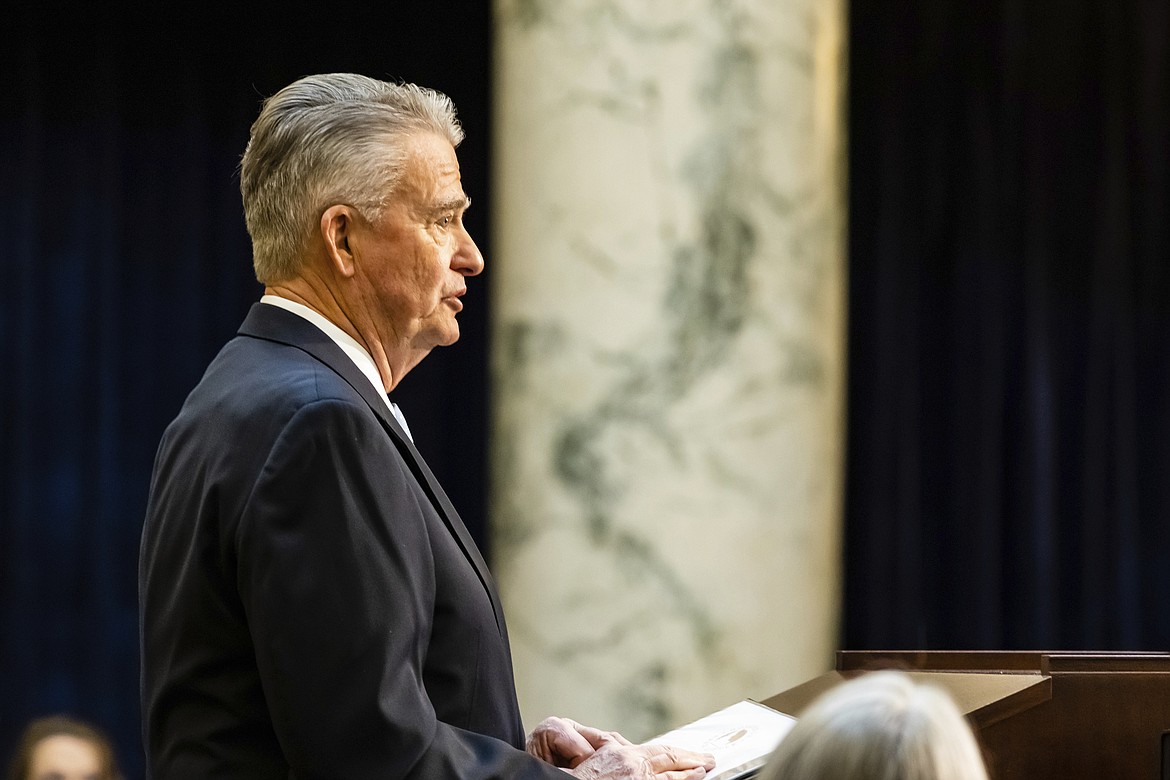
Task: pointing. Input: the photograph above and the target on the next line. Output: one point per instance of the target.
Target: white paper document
(741, 737)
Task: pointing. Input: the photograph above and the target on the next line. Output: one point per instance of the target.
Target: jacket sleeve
(336, 577)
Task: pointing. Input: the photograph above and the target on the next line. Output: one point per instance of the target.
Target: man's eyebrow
(452, 204)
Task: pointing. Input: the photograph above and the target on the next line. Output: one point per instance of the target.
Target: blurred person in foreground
(63, 748)
(312, 604)
(880, 726)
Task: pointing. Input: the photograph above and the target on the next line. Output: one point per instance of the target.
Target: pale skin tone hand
(592, 754)
(566, 743)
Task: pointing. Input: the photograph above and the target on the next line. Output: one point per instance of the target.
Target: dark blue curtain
(1009, 393)
(125, 266)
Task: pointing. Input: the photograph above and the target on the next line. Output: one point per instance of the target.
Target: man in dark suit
(312, 605)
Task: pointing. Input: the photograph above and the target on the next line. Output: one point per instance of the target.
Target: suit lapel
(276, 324)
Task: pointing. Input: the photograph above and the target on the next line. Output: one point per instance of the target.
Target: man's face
(413, 260)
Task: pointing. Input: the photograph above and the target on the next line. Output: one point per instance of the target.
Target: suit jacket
(312, 605)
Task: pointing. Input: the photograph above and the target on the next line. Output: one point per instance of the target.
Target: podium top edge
(1023, 661)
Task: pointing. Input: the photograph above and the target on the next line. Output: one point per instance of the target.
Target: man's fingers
(659, 762)
(664, 758)
(598, 738)
(558, 741)
(572, 741)
(683, 774)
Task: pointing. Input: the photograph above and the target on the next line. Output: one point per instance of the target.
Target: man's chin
(450, 334)
(443, 338)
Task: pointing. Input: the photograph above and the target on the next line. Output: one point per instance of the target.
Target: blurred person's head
(880, 726)
(61, 748)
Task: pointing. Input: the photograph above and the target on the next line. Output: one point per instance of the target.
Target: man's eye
(444, 221)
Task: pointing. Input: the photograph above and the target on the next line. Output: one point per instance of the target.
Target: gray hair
(880, 726)
(323, 140)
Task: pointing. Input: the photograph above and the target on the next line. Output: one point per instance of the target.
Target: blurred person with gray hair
(880, 726)
(312, 605)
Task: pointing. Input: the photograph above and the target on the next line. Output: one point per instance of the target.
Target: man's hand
(644, 762)
(566, 743)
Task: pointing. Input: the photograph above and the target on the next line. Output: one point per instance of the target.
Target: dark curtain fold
(126, 266)
(1009, 423)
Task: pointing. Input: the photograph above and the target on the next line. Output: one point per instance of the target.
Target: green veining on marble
(706, 307)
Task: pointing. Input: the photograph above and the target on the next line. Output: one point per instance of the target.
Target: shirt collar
(349, 345)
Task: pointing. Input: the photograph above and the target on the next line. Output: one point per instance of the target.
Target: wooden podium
(1039, 715)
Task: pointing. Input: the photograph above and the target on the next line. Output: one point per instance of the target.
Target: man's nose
(467, 260)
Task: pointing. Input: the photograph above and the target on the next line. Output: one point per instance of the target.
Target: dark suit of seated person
(880, 726)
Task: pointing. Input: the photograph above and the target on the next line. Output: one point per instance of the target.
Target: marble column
(668, 351)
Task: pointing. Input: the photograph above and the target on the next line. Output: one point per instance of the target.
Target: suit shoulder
(255, 376)
(250, 394)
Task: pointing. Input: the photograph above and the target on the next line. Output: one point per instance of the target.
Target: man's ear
(337, 224)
